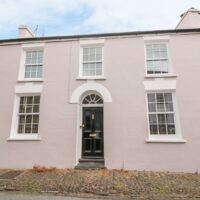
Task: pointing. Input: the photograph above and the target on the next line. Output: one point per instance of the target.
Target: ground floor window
(28, 115)
(161, 113)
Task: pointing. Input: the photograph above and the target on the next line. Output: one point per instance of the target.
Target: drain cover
(10, 174)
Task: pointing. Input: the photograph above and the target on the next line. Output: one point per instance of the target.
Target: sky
(73, 17)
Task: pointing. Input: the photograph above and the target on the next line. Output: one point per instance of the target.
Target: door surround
(80, 120)
(77, 97)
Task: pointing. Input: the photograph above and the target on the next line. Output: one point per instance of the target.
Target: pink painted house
(119, 100)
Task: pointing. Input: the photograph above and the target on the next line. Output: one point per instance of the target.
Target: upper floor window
(33, 64)
(92, 61)
(157, 60)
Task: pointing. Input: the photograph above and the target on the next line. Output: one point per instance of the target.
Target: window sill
(23, 139)
(165, 141)
(160, 76)
(91, 78)
(30, 80)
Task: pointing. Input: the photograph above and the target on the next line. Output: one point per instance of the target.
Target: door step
(87, 163)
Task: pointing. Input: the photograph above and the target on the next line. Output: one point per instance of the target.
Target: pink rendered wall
(125, 119)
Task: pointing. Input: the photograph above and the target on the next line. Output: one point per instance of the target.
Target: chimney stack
(189, 19)
(25, 32)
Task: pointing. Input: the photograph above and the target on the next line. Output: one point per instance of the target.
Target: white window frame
(177, 137)
(158, 40)
(25, 48)
(24, 90)
(90, 44)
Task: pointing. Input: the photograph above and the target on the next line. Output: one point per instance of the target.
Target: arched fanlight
(92, 99)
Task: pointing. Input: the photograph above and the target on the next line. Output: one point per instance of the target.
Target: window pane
(152, 107)
(36, 109)
(36, 99)
(28, 128)
(153, 129)
(92, 57)
(35, 118)
(40, 57)
(160, 107)
(39, 72)
(161, 119)
(28, 119)
(99, 69)
(99, 50)
(160, 97)
(85, 57)
(168, 97)
(149, 54)
(163, 47)
(30, 100)
(171, 129)
(169, 107)
(92, 51)
(22, 108)
(152, 119)
(163, 54)
(22, 119)
(20, 128)
(22, 100)
(151, 98)
(29, 108)
(162, 129)
(35, 128)
(170, 118)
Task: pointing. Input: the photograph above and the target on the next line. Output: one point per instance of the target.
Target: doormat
(10, 174)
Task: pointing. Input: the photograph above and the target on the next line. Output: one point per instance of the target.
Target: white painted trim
(90, 86)
(92, 43)
(159, 84)
(79, 134)
(156, 38)
(91, 78)
(24, 139)
(28, 88)
(14, 125)
(166, 138)
(161, 76)
(33, 45)
(13, 131)
(80, 107)
(92, 105)
(159, 41)
(28, 47)
(165, 141)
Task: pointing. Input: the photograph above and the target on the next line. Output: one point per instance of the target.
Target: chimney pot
(25, 32)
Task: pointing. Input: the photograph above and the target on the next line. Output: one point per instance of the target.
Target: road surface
(17, 196)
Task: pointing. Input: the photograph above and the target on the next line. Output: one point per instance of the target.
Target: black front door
(92, 139)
